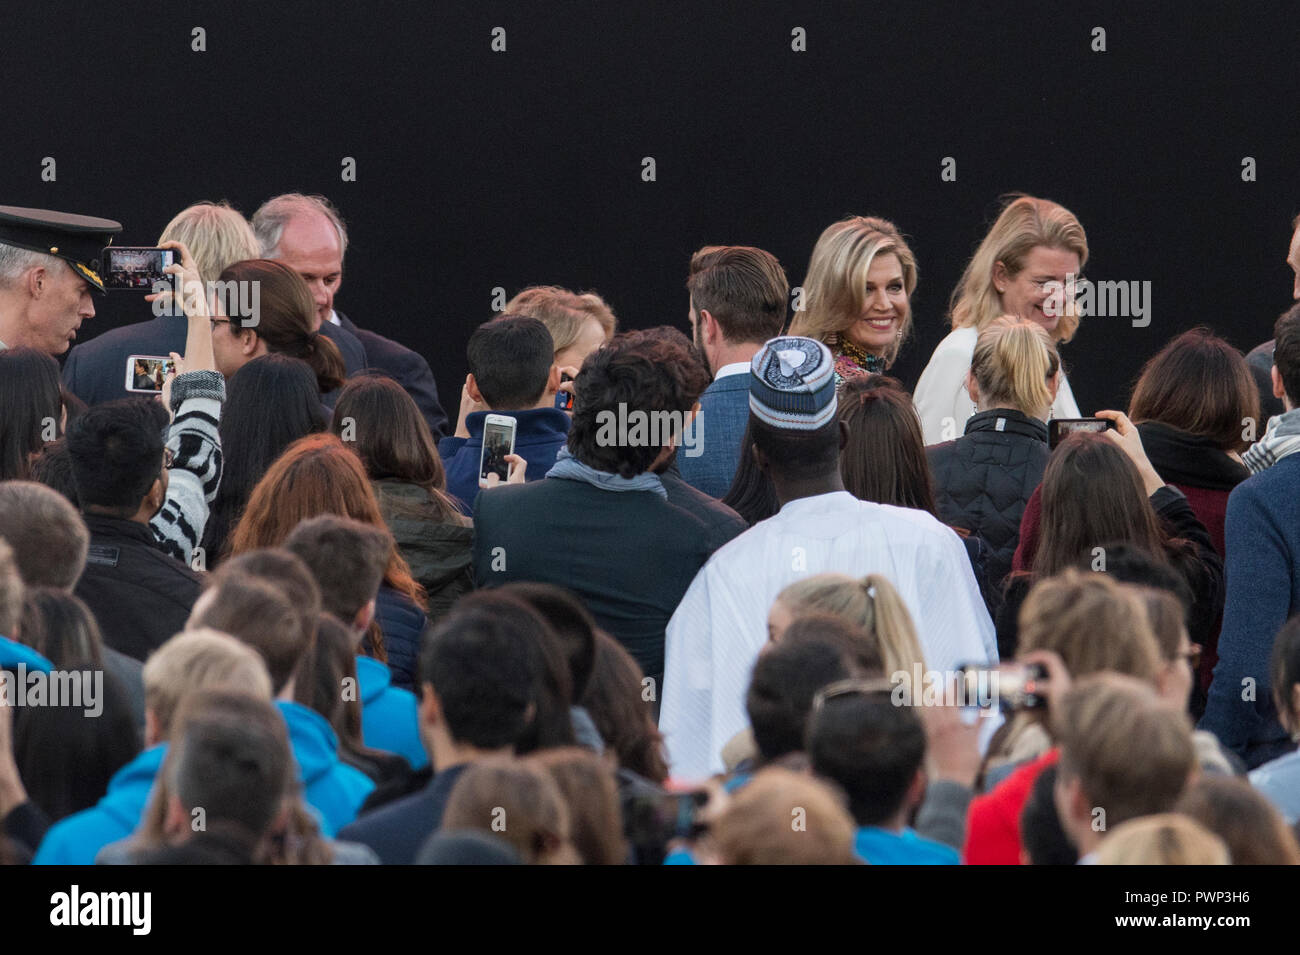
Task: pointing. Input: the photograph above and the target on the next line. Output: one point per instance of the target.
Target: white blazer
(941, 398)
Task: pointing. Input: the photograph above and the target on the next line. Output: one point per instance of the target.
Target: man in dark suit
(217, 236)
(738, 298)
(307, 234)
(1260, 358)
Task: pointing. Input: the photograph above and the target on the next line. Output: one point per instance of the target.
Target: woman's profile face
(886, 308)
(1025, 293)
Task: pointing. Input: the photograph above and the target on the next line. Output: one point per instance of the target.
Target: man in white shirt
(720, 624)
(738, 301)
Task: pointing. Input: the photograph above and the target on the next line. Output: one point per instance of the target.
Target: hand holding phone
(136, 268)
(146, 374)
(498, 445)
(1058, 428)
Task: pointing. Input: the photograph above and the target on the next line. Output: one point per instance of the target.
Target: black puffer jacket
(983, 480)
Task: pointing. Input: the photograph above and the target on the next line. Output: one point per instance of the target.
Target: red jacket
(993, 821)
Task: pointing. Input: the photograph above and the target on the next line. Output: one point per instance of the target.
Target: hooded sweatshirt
(388, 714)
(76, 839)
(334, 789)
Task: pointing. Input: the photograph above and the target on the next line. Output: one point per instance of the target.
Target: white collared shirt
(334, 318)
(735, 368)
(720, 625)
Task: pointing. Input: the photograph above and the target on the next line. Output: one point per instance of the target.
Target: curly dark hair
(647, 371)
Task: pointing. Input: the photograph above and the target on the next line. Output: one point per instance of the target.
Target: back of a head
(871, 603)
(638, 373)
(518, 802)
(786, 678)
(552, 723)
(198, 660)
(250, 437)
(1129, 564)
(29, 395)
(285, 571)
(485, 675)
(510, 357)
(1201, 385)
(380, 423)
(1091, 494)
(286, 316)
(564, 313)
(1239, 814)
(232, 760)
(117, 453)
(1041, 834)
(215, 234)
(1162, 839)
(792, 408)
(590, 790)
(258, 615)
(868, 746)
(60, 627)
(1093, 623)
(49, 538)
(1014, 363)
(274, 214)
(757, 826)
(347, 558)
(315, 475)
(1131, 753)
(859, 648)
(53, 468)
(466, 847)
(1286, 352)
(743, 288)
(570, 621)
(883, 459)
(617, 701)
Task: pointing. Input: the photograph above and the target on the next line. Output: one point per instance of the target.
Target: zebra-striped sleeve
(195, 443)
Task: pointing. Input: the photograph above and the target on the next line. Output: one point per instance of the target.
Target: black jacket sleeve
(1195, 559)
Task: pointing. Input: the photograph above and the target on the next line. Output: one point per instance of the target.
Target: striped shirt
(195, 443)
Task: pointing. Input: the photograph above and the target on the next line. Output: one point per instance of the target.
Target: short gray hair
(269, 221)
(15, 262)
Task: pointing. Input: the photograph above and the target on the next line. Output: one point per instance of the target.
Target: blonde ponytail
(1013, 364)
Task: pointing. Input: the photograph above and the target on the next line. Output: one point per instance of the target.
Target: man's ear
(38, 281)
(361, 622)
(553, 380)
(176, 821)
(472, 387)
(430, 705)
(760, 459)
(916, 790)
(710, 330)
(1278, 390)
(844, 434)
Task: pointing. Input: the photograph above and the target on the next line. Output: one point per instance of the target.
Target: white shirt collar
(334, 318)
(735, 368)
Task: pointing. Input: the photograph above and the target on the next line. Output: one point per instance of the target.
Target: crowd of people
(305, 627)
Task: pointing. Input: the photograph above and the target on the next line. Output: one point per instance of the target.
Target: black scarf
(1188, 460)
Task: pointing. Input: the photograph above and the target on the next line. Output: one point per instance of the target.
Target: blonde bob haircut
(216, 235)
(835, 289)
(1014, 363)
(196, 660)
(871, 603)
(563, 312)
(1163, 839)
(1024, 224)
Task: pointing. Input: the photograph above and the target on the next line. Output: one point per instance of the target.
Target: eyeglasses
(879, 687)
(1193, 655)
(219, 321)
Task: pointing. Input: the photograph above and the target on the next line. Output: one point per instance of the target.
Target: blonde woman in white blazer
(1033, 248)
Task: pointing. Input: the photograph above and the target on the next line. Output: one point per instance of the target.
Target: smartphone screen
(498, 441)
(1058, 428)
(146, 373)
(136, 269)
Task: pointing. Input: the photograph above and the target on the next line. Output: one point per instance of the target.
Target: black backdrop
(478, 169)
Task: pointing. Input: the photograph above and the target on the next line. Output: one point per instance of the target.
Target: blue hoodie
(77, 839)
(13, 653)
(881, 847)
(539, 435)
(334, 789)
(388, 715)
